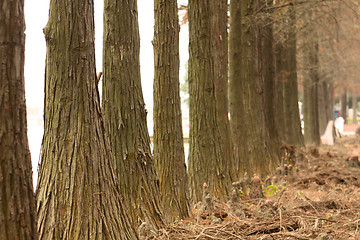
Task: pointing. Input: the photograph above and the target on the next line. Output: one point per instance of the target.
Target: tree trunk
(17, 199)
(292, 115)
(330, 101)
(77, 195)
(282, 73)
(257, 156)
(206, 160)
(354, 107)
(268, 81)
(344, 105)
(288, 84)
(125, 114)
(220, 49)
(311, 79)
(236, 101)
(322, 107)
(168, 136)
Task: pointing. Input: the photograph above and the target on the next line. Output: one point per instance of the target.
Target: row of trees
(98, 178)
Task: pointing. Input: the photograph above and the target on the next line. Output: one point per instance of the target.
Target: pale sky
(36, 16)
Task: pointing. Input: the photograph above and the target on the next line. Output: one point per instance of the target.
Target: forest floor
(319, 200)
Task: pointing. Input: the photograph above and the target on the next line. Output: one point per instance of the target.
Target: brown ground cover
(319, 199)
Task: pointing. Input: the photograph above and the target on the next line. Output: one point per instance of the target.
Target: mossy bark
(17, 199)
(206, 159)
(168, 136)
(77, 194)
(125, 114)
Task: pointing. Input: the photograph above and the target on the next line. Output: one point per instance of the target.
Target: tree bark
(236, 101)
(258, 155)
(220, 48)
(168, 136)
(77, 194)
(354, 106)
(206, 160)
(322, 107)
(311, 81)
(288, 115)
(17, 199)
(268, 81)
(125, 114)
(344, 104)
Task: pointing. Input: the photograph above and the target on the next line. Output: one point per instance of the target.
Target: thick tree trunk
(77, 195)
(17, 199)
(354, 107)
(281, 77)
(236, 101)
(311, 79)
(292, 115)
(206, 159)
(288, 84)
(344, 104)
(125, 114)
(322, 109)
(168, 136)
(329, 100)
(267, 56)
(220, 49)
(257, 156)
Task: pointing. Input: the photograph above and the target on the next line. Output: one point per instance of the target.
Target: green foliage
(271, 189)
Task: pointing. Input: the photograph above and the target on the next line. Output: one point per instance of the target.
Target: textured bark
(77, 195)
(325, 105)
(219, 23)
(344, 104)
(206, 159)
(168, 136)
(330, 101)
(236, 102)
(311, 81)
(322, 108)
(281, 77)
(267, 56)
(258, 155)
(288, 108)
(354, 106)
(17, 199)
(125, 114)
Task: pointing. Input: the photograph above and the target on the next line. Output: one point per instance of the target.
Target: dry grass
(323, 202)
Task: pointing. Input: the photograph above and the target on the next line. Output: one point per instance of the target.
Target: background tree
(77, 197)
(125, 114)
(206, 160)
(168, 136)
(287, 108)
(310, 82)
(267, 75)
(236, 104)
(219, 21)
(258, 154)
(17, 199)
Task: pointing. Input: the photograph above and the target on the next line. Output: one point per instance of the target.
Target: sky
(36, 17)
